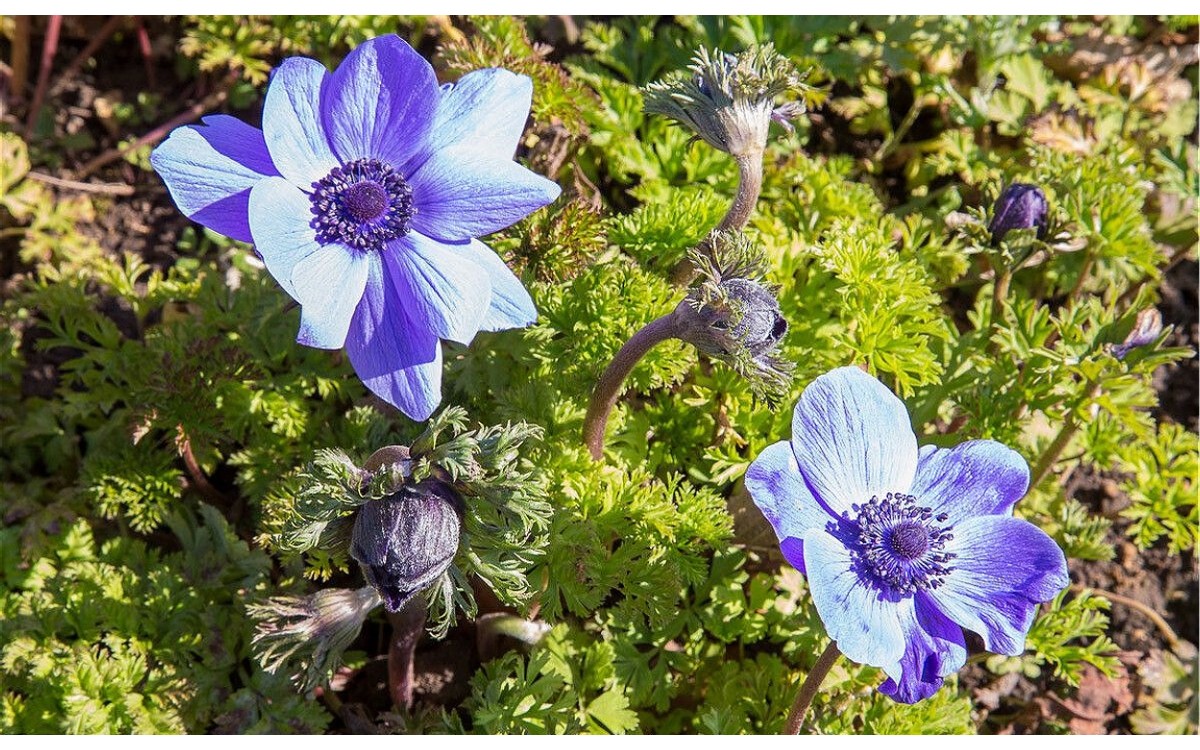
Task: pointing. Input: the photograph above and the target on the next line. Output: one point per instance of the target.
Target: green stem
(999, 293)
(1062, 439)
(608, 389)
(808, 690)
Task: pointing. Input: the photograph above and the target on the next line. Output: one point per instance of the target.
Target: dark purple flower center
(900, 545)
(363, 204)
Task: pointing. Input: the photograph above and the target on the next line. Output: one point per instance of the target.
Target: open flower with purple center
(364, 193)
(904, 548)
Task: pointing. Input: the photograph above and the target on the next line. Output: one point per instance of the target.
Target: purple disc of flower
(364, 193)
(904, 548)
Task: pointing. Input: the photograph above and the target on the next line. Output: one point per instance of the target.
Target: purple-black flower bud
(1020, 206)
(407, 540)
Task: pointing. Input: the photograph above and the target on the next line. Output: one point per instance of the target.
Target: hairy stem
(808, 690)
(608, 389)
(407, 627)
(1059, 444)
(750, 177)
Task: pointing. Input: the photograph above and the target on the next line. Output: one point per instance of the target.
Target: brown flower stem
(750, 177)
(808, 690)
(98, 39)
(49, 49)
(407, 627)
(20, 56)
(183, 444)
(608, 389)
(143, 38)
(1061, 440)
(1154, 617)
(191, 114)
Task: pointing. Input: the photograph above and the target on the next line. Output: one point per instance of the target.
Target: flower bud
(308, 635)
(1020, 206)
(732, 315)
(745, 318)
(729, 100)
(1146, 329)
(407, 540)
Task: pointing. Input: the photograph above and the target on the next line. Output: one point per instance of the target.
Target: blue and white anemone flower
(364, 193)
(904, 548)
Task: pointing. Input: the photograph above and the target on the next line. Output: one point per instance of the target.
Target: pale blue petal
(380, 102)
(852, 439)
(936, 647)
(399, 361)
(511, 306)
(486, 110)
(779, 491)
(976, 478)
(462, 193)
(279, 216)
(1002, 568)
(329, 284)
(441, 290)
(865, 625)
(210, 170)
(292, 122)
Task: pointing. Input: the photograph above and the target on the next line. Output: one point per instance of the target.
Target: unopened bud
(407, 540)
(1020, 206)
(1146, 329)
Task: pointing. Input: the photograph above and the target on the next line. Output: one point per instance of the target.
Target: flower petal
(292, 122)
(442, 291)
(1003, 567)
(936, 648)
(865, 625)
(279, 216)
(976, 478)
(485, 109)
(779, 491)
(510, 306)
(329, 284)
(399, 361)
(380, 102)
(463, 192)
(852, 439)
(209, 172)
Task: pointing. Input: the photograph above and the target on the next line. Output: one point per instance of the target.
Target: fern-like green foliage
(113, 636)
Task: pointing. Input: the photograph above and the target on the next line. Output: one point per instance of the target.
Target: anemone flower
(904, 548)
(364, 193)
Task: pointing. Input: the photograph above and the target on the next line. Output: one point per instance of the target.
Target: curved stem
(808, 690)
(750, 177)
(1154, 617)
(407, 627)
(608, 389)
